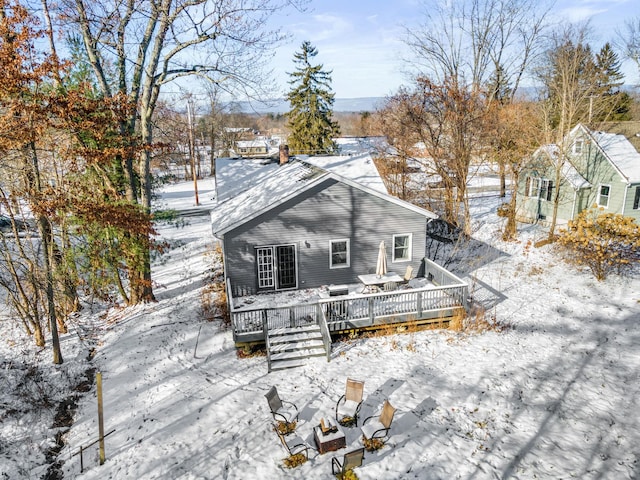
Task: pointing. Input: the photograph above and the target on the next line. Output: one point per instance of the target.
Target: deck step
(299, 354)
(291, 347)
(284, 364)
(292, 330)
(300, 345)
(294, 338)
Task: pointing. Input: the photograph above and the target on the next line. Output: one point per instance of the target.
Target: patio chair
(390, 286)
(293, 445)
(349, 404)
(281, 410)
(378, 426)
(407, 274)
(350, 461)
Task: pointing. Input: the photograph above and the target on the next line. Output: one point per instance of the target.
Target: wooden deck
(445, 297)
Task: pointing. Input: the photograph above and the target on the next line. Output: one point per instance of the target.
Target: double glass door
(276, 267)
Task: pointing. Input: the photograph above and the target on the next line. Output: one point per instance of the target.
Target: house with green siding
(599, 168)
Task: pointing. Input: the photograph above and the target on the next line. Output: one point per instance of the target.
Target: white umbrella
(381, 267)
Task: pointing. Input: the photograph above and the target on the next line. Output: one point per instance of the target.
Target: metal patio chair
(350, 461)
(348, 405)
(377, 426)
(281, 410)
(293, 444)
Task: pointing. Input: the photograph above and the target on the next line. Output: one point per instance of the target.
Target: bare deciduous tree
(513, 133)
(135, 47)
(628, 40)
(461, 48)
(570, 84)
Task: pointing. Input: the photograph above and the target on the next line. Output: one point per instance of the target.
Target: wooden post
(100, 417)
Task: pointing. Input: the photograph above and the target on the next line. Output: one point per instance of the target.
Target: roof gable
(615, 148)
(621, 154)
(273, 185)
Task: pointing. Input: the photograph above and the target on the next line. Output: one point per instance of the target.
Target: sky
(361, 41)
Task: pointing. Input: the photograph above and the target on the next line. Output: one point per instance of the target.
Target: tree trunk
(45, 233)
(510, 229)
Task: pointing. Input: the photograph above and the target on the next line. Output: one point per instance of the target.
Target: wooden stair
(291, 347)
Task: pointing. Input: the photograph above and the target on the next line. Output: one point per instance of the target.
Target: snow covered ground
(554, 393)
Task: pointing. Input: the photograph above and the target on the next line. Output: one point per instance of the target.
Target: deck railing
(352, 311)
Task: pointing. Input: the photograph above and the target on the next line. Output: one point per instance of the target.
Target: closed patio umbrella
(381, 267)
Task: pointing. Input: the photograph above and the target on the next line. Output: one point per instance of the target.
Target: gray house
(295, 225)
(601, 168)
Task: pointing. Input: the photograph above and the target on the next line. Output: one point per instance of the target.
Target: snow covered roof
(271, 187)
(360, 168)
(572, 175)
(248, 188)
(259, 142)
(621, 153)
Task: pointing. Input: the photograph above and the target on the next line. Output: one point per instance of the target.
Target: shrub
(285, 428)
(372, 444)
(604, 242)
(294, 461)
(503, 210)
(347, 421)
(348, 475)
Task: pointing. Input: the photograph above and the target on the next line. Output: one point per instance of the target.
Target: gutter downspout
(575, 200)
(624, 199)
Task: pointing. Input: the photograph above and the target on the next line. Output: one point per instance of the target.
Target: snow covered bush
(604, 242)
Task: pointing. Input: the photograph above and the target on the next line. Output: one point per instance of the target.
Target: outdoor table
(329, 442)
(372, 280)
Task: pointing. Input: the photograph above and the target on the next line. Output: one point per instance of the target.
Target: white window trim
(344, 265)
(393, 248)
(534, 187)
(544, 186)
(599, 193)
(577, 143)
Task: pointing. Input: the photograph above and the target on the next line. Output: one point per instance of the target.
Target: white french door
(276, 267)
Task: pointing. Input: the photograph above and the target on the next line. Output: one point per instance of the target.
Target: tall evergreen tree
(311, 99)
(615, 103)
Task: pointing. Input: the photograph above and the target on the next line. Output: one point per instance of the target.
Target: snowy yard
(554, 394)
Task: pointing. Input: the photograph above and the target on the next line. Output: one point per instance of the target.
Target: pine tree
(311, 99)
(615, 103)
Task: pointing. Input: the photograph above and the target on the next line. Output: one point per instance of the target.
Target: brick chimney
(284, 154)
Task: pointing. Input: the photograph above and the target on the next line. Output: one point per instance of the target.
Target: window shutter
(549, 188)
(636, 200)
(527, 188)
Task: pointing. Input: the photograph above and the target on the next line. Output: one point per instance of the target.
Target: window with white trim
(339, 255)
(539, 187)
(603, 195)
(577, 146)
(533, 187)
(546, 186)
(402, 247)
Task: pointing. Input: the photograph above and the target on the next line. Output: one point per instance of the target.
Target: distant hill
(364, 104)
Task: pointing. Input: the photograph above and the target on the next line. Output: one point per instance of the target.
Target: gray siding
(331, 211)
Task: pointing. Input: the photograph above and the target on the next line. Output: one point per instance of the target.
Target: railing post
(265, 332)
(419, 304)
(371, 310)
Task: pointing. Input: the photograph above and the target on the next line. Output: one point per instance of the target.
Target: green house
(599, 168)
